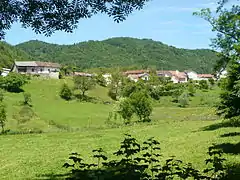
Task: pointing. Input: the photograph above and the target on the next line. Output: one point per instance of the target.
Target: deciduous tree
(84, 84)
(48, 16)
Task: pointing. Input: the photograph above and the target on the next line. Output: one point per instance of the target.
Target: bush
(13, 82)
(66, 92)
(191, 89)
(126, 110)
(1, 95)
(27, 99)
(183, 100)
(203, 84)
(142, 105)
(134, 161)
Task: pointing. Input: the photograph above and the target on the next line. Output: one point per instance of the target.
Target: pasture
(80, 127)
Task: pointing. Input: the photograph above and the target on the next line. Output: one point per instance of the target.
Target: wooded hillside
(123, 52)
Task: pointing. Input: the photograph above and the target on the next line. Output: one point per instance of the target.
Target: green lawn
(82, 127)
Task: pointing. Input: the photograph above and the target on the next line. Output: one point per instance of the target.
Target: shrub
(183, 100)
(1, 95)
(126, 110)
(142, 161)
(66, 92)
(142, 105)
(203, 84)
(191, 89)
(3, 116)
(27, 99)
(13, 82)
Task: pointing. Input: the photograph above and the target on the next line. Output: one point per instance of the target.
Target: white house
(107, 78)
(45, 69)
(5, 72)
(176, 76)
(192, 75)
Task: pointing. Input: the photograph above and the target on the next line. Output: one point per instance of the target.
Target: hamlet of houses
(51, 70)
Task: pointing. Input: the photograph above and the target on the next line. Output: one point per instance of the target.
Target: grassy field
(75, 126)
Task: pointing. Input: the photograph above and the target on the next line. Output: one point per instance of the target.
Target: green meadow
(80, 127)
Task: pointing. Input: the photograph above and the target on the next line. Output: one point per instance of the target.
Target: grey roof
(26, 63)
(37, 63)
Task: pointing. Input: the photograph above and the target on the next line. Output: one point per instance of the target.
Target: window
(48, 70)
(41, 70)
(32, 69)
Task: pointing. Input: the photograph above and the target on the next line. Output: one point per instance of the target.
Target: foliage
(183, 100)
(1, 95)
(66, 92)
(225, 21)
(84, 83)
(101, 80)
(211, 81)
(142, 105)
(191, 89)
(3, 116)
(9, 53)
(127, 53)
(203, 84)
(27, 99)
(230, 98)
(142, 161)
(117, 83)
(43, 18)
(13, 82)
(126, 110)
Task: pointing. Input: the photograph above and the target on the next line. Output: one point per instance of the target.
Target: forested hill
(123, 52)
(10, 53)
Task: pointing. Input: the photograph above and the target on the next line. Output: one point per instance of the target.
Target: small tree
(101, 80)
(142, 105)
(211, 81)
(183, 100)
(1, 95)
(126, 110)
(84, 84)
(27, 99)
(191, 89)
(66, 92)
(203, 84)
(26, 112)
(3, 116)
(13, 82)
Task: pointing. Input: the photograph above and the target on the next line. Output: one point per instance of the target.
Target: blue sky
(170, 22)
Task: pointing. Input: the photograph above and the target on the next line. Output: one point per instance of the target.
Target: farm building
(45, 69)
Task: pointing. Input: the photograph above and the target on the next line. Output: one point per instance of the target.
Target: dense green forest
(122, 52)
(10, 53)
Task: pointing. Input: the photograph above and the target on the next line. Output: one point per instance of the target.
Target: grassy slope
(27, 156)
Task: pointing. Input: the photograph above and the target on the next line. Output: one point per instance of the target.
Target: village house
(176, 76)
(45, 69)
(5, 72)
(83, 74)
(108, 78)
(136, 75)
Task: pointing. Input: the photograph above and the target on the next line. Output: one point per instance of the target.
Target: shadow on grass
(223, 124)
(230, 134)
(228, 148)
(233, 172)
(52, 176)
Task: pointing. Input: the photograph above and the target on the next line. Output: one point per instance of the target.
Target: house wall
(42, 71)
(192, 75)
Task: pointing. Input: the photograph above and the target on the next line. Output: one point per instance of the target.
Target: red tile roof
(136, 72)
(205, 75)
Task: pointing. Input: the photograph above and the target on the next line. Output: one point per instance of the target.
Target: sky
(168, 21)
